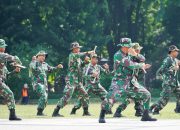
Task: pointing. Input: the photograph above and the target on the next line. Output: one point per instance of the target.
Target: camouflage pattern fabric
(74, 81)
(170, 82)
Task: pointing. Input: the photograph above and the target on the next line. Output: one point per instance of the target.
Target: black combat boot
(117, 114)
(147, 117)
(12, 115)
(102, 116)
(40, 112)
(56, 112)
(138, 113)
(139, 109)
(86, 112)
(73, 112)
(177, 109)
(109, 112)
(154, 109)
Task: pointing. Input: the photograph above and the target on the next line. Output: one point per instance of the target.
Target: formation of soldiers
(83, 77)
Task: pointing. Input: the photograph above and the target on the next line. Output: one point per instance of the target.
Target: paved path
(88, 124)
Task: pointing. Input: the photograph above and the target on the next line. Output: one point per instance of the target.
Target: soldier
(39, 69)
(140, 74)
(5, 91)
(92, 81)
(124, 83)
(168, 72)
(74, 80)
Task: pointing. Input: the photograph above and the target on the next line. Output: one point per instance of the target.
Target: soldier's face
(76, 50)
(94, 60)
(174, 54)
(138, 51)
(41, 58)
(2, 49)
(125, 49)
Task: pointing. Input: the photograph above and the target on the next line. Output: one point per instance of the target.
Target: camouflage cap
(2, 43)
(125, 42)
(136, 46)
(173, 48)
(41, 53)
(94, 56)
(75, 45)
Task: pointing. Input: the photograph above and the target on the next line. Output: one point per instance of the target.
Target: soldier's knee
(11, 95)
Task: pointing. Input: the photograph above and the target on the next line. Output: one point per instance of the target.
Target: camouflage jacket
(124, 66)
(139, 73)
(75, 65)
(89, 69)
(4, 57)
(39, 72)
(167, 73)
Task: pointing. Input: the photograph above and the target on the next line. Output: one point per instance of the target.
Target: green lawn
(29, 111)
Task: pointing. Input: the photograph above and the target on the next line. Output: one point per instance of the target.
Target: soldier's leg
(116, 93)
(83, 95)
(100, 91)
(67, 94)
(76, 106)
(138, 107)
(163, 100)
(41, 91)
(8, 95)
(121, 108)
(177, 94)
(79, 101)
(140, 92)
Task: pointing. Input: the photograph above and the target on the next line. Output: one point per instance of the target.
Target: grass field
(29, 111)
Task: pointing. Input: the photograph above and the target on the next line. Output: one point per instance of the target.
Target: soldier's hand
(52, 90)
(86, 59)
(132, 52)
(175, 67)
(106, 66)
(17, 69)
(95, 74)
(91, 52)
(147, 66)
(33, 58)
(159, 77)
(60, 66)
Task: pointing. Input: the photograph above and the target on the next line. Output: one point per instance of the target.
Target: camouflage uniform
(39, 81)
(140, 75)
(93, 84)
(5, 91)
(74, 81)
(170, 84)
(125, 84)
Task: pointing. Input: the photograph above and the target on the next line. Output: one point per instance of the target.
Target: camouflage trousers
(7, 94)
(167, 90)
(138, 105)
(41, 90)
(138, 102)
(73, 86)
(96, 89)
(120, 90)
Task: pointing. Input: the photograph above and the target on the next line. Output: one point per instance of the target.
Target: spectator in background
(25, 97)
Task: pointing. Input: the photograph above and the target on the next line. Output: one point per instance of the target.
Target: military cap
(136, 46)
(173, 48)
(125, 42)
(41, 53)
(2, 43)
(75, 45)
